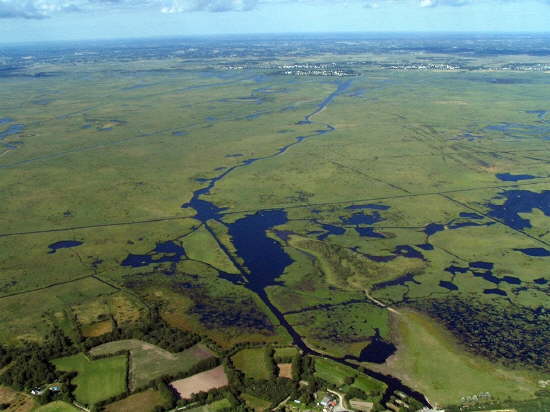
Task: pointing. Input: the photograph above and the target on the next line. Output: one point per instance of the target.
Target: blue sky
(38, 20)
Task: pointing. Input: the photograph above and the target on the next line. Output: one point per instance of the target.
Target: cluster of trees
(269, 360)
(29, 365)
(274, 389)
(510, 334)
(5, 357)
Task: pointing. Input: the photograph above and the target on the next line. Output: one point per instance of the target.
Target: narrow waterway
(264, 258)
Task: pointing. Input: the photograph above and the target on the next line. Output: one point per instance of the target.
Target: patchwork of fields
(149, 362)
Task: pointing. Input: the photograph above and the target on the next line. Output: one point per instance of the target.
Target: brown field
(140, 402)
(285, 370)
(124, 310)
(97, 329)
(18, 402)
(201, 382)
(361, 405)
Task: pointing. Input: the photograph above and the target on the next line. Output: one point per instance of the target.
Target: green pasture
(213, 407)
(421, 340)
(336, 374)
(57, 406)
(252, 362)
(96, 380)
(285, 353)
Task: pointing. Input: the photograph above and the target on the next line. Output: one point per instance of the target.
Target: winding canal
(264, 258)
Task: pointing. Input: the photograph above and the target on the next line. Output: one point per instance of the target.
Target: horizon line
(279, 34)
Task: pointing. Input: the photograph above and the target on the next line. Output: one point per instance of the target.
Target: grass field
(252, 362)
(23, 321)
(149, 362)
(201, 382)
(420, 340)
(285, 353)
(145, 401)
(255, 403)
(212, 407)
(57, 406)
(97, 379)
(336, 374)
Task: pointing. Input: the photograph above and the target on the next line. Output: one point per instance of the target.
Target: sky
(50, 20)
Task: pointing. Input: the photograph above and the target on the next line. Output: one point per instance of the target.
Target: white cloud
(181, 6)
(38, 9)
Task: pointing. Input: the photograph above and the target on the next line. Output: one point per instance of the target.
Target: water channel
(265, 259)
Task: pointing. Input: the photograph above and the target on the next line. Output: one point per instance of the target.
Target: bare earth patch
(285, 370)
(18, 402)
(143, 401)
(201, 382)
(97, 329)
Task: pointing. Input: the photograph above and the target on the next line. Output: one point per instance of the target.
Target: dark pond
(508, 177)
(541, 281)
(456, 269)
(519, 201)
(331, 230)
(512, 280)
(495, 292)
(535, 251)
(63, 244)
(163, 252)
(13, 129)
(425, 246)
(401, 280)
(377, 351)
(408, 252)
(369, 232)
(488, 276)
(179, 133)
(433, 228)
(448, 285)
(263, 256)
(482, 265)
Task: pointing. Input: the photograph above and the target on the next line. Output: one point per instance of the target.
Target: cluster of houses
(328, 403)
(37, 391)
